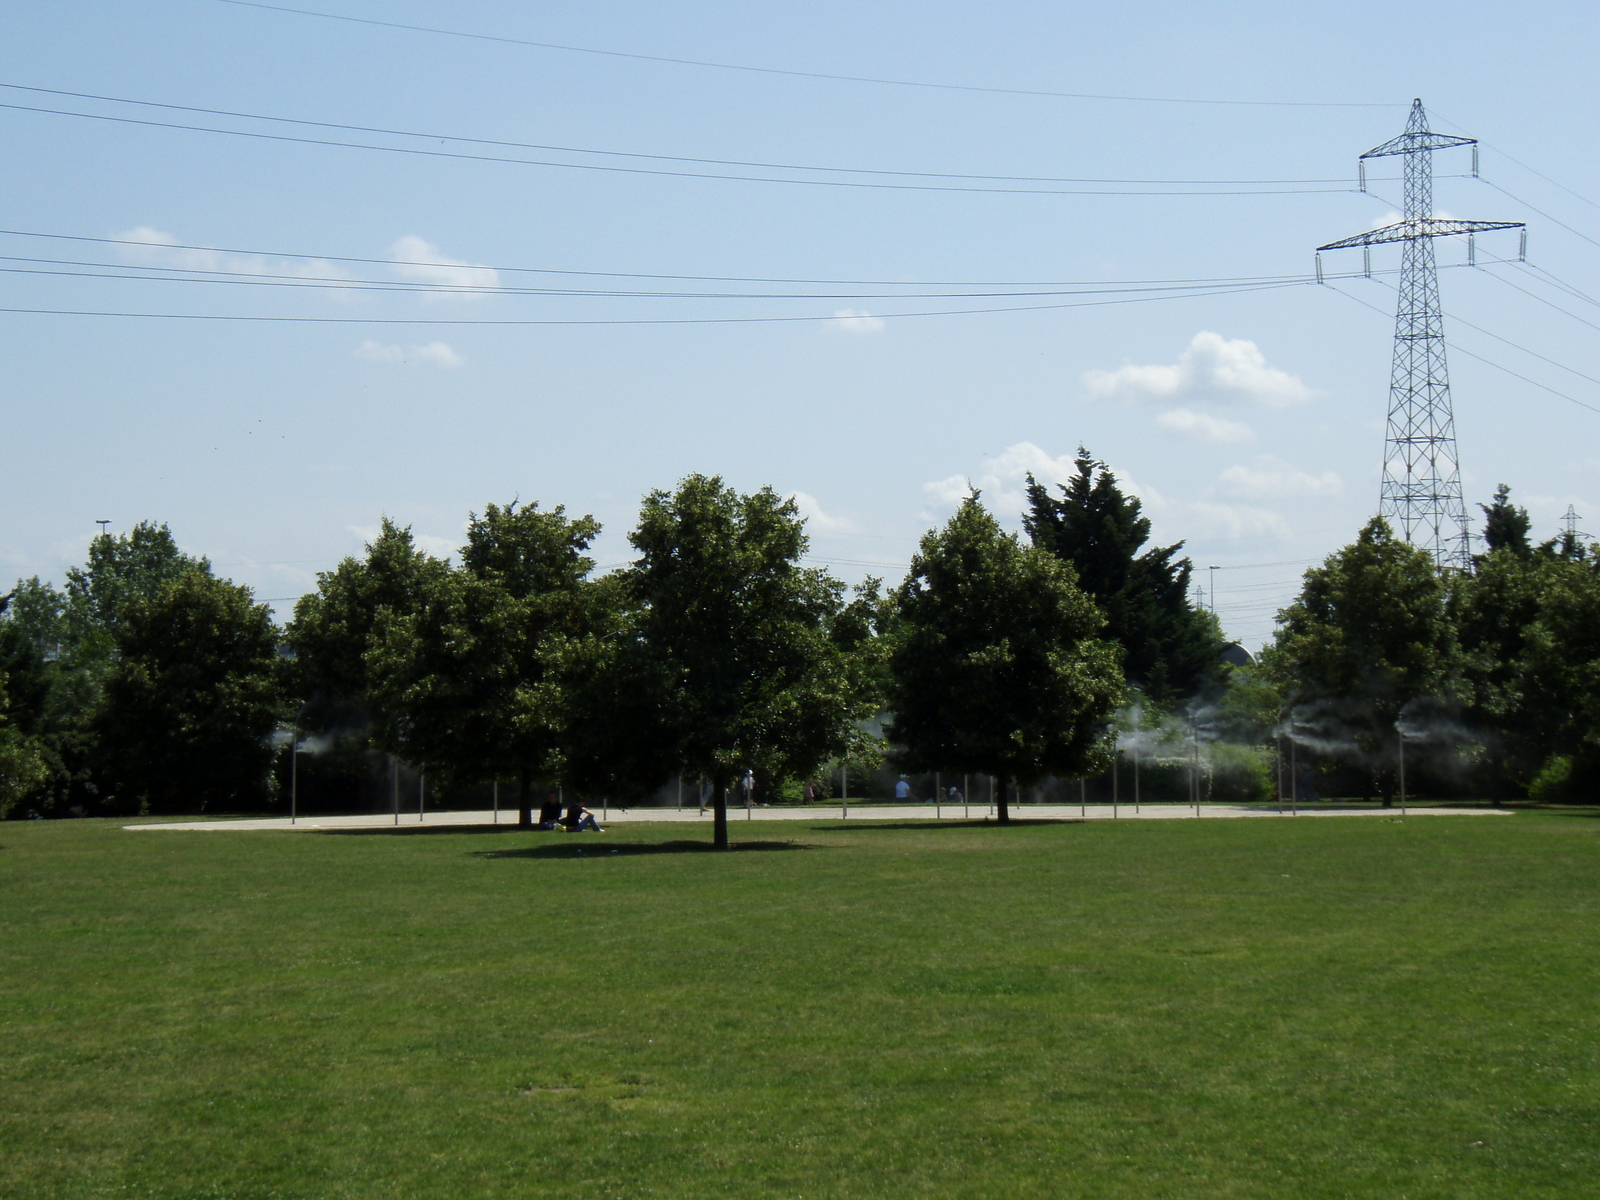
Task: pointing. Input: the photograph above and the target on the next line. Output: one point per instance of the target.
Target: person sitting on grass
(579, 818)
(550, 811)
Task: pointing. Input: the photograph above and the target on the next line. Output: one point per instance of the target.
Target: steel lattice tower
(1421, 477)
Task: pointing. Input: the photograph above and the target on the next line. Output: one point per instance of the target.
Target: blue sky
(1250, 421)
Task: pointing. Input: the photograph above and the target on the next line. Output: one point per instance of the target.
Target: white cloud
(419, 261)
(1204, 427)
(437, 354)
(1210, 367)
(378, 352)
(1239, 520)
(1003, 478)
(439, 547)
(816, 519)
(851, 321)
(1272, 478)
(147, 247)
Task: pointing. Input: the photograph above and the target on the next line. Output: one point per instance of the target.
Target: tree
(191, 700)
(1369, 634)
(471, 671)
(23, 766)
(1170, 650)
(999, 666)
(48, 698)
(1506, 525)
(332, 627)
(123, 569)
(759, 661)
(1560, 676)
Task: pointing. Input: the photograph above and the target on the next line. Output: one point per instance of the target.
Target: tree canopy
(1369, 634)
(191, 700)
(1170, 649)
(753, 652)
(998, 664)
(470, 668)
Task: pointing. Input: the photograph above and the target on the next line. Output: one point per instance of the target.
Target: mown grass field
(1324, 1008)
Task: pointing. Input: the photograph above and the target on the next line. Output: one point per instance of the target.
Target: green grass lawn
(1325, 1007)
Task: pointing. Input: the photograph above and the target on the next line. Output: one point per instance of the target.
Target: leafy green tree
(191, 700)
(1170, 649)
(123, 569)
(759, 660)
(999, 666)
(1506, 525)
(1529, 625)
(471, 671)
(333, 626)
(23, 765)
(1370, 633)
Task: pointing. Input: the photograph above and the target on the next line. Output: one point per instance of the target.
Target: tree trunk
(719, 810)
(1005, 808)
(524, 799)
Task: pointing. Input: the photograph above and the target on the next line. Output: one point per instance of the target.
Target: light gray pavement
(899, 812)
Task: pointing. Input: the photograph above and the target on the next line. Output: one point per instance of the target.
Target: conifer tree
(1170, 650)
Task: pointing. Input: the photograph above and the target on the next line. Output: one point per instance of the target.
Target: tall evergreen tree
(1506, 525)
(1170, 649)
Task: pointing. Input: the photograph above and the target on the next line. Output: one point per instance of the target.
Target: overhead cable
(508, 321)
(144, 244)
(871, 185)
(127, 271)
(823, 75)
(673, 158)
(1540, 211)
(1486, 361)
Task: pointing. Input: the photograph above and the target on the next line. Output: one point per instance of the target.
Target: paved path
(911, 812)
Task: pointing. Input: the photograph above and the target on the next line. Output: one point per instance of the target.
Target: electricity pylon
(1421, 475)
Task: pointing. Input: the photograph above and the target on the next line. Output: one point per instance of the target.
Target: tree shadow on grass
(429, 830)
(630, 849)
(931, 825)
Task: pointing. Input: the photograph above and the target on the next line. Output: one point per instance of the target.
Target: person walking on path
(902, 789)
(747, 788)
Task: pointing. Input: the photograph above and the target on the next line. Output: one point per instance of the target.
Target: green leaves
(998, 666)
(1169, 649)
(191, 700)
(761, 661)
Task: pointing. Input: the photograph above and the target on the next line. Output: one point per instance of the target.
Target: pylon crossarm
(1408, 143)
(1419, 227)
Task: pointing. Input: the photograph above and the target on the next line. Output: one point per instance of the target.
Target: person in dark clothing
(550, 812)
(579, 818)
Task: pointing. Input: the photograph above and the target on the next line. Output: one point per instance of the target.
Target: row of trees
(1492, 675)
(150, 685)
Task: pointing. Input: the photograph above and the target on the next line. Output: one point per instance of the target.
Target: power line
(490, 321)
(675, 158)
(1542, 300)
(1556, 282)
(405, 262)
(334, 283)
(1481, 358)
(722, 66)
(655, 171)
(1541, 212)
